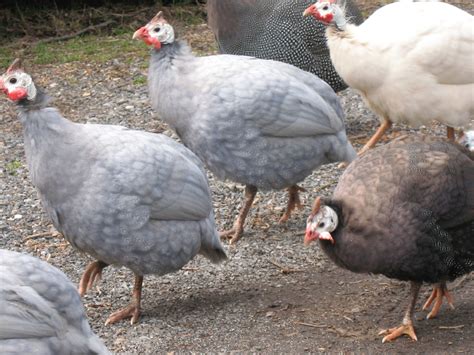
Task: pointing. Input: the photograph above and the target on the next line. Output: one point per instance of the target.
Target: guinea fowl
(413, 73)
(262, 123)
(125, 197)
(41, 311)
(273, 29)
(404, 210)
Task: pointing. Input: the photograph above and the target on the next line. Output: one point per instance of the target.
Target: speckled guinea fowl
(274, 29)
(41, 311)
(404, 210)
(125, 197)
(262, 123)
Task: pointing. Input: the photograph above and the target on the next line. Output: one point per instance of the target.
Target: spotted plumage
(275, 29)
(406, 211)
(40, 310)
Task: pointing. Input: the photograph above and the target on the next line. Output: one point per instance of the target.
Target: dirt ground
(273, 295)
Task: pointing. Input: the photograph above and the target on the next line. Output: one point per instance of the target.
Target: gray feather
(41, 311)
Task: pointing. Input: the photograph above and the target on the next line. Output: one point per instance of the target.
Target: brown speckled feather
(407, 211)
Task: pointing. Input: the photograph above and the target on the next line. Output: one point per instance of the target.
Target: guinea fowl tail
(211, 246)
(216, 254)
(351, 154)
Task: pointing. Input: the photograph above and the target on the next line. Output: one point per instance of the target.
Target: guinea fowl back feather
(275, 29)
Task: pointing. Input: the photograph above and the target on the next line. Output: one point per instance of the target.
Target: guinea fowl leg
(450, 133)
(293, 201)
(91, 275)
(376, 137)
(133, 309)
(407, 323)
(439, 291)
(236, 232)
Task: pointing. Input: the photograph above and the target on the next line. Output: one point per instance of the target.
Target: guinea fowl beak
(309, 11)
(310, 236)
(140, 33)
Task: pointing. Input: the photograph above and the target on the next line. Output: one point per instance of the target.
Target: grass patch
(13, 166)
(87, 48)
(139, 80)
(104, 44)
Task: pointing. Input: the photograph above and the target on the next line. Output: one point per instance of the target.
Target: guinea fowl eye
(325, 7)
(156, 29)
(321, 225)
(13, 80)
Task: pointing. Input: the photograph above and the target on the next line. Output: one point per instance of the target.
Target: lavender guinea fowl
(273, 29)
(125, 197)
(404, 210)
(41, 311)
(262, 123)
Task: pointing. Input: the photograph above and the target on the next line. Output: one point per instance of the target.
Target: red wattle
(17, 94)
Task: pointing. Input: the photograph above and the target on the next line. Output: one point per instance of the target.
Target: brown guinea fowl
(404, 210)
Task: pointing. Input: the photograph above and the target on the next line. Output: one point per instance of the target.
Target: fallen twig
(312, 325)
(50, 234)
(75, 34)
(283, 269)
(451, 327)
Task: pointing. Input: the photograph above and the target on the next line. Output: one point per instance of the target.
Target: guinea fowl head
(17, 84)
(328, 12)
(321, 222)
(156, 32)
(467, 140)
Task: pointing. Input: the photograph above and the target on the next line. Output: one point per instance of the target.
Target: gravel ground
(272, 295)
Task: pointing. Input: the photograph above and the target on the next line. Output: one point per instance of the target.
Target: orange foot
(439, 291)
(394, 333)
(233, 234)
(293, 202)
(91, 275)
(132, 310)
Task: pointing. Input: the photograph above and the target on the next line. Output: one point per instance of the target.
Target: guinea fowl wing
(269, 104)
(147, 175)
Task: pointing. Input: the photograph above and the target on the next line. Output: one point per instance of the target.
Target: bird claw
(92, 275)
(439, 292)
(132, 310)
(233, 234)
(393, 333)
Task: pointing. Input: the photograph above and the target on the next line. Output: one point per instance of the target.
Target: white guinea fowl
(412, 72)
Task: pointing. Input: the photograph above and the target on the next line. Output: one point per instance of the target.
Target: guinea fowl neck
(40, 101)
(169, 52)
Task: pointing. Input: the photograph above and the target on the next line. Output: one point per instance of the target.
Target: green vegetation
(85, 48)
(13, 166)
(139, 80)
(101, 45)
